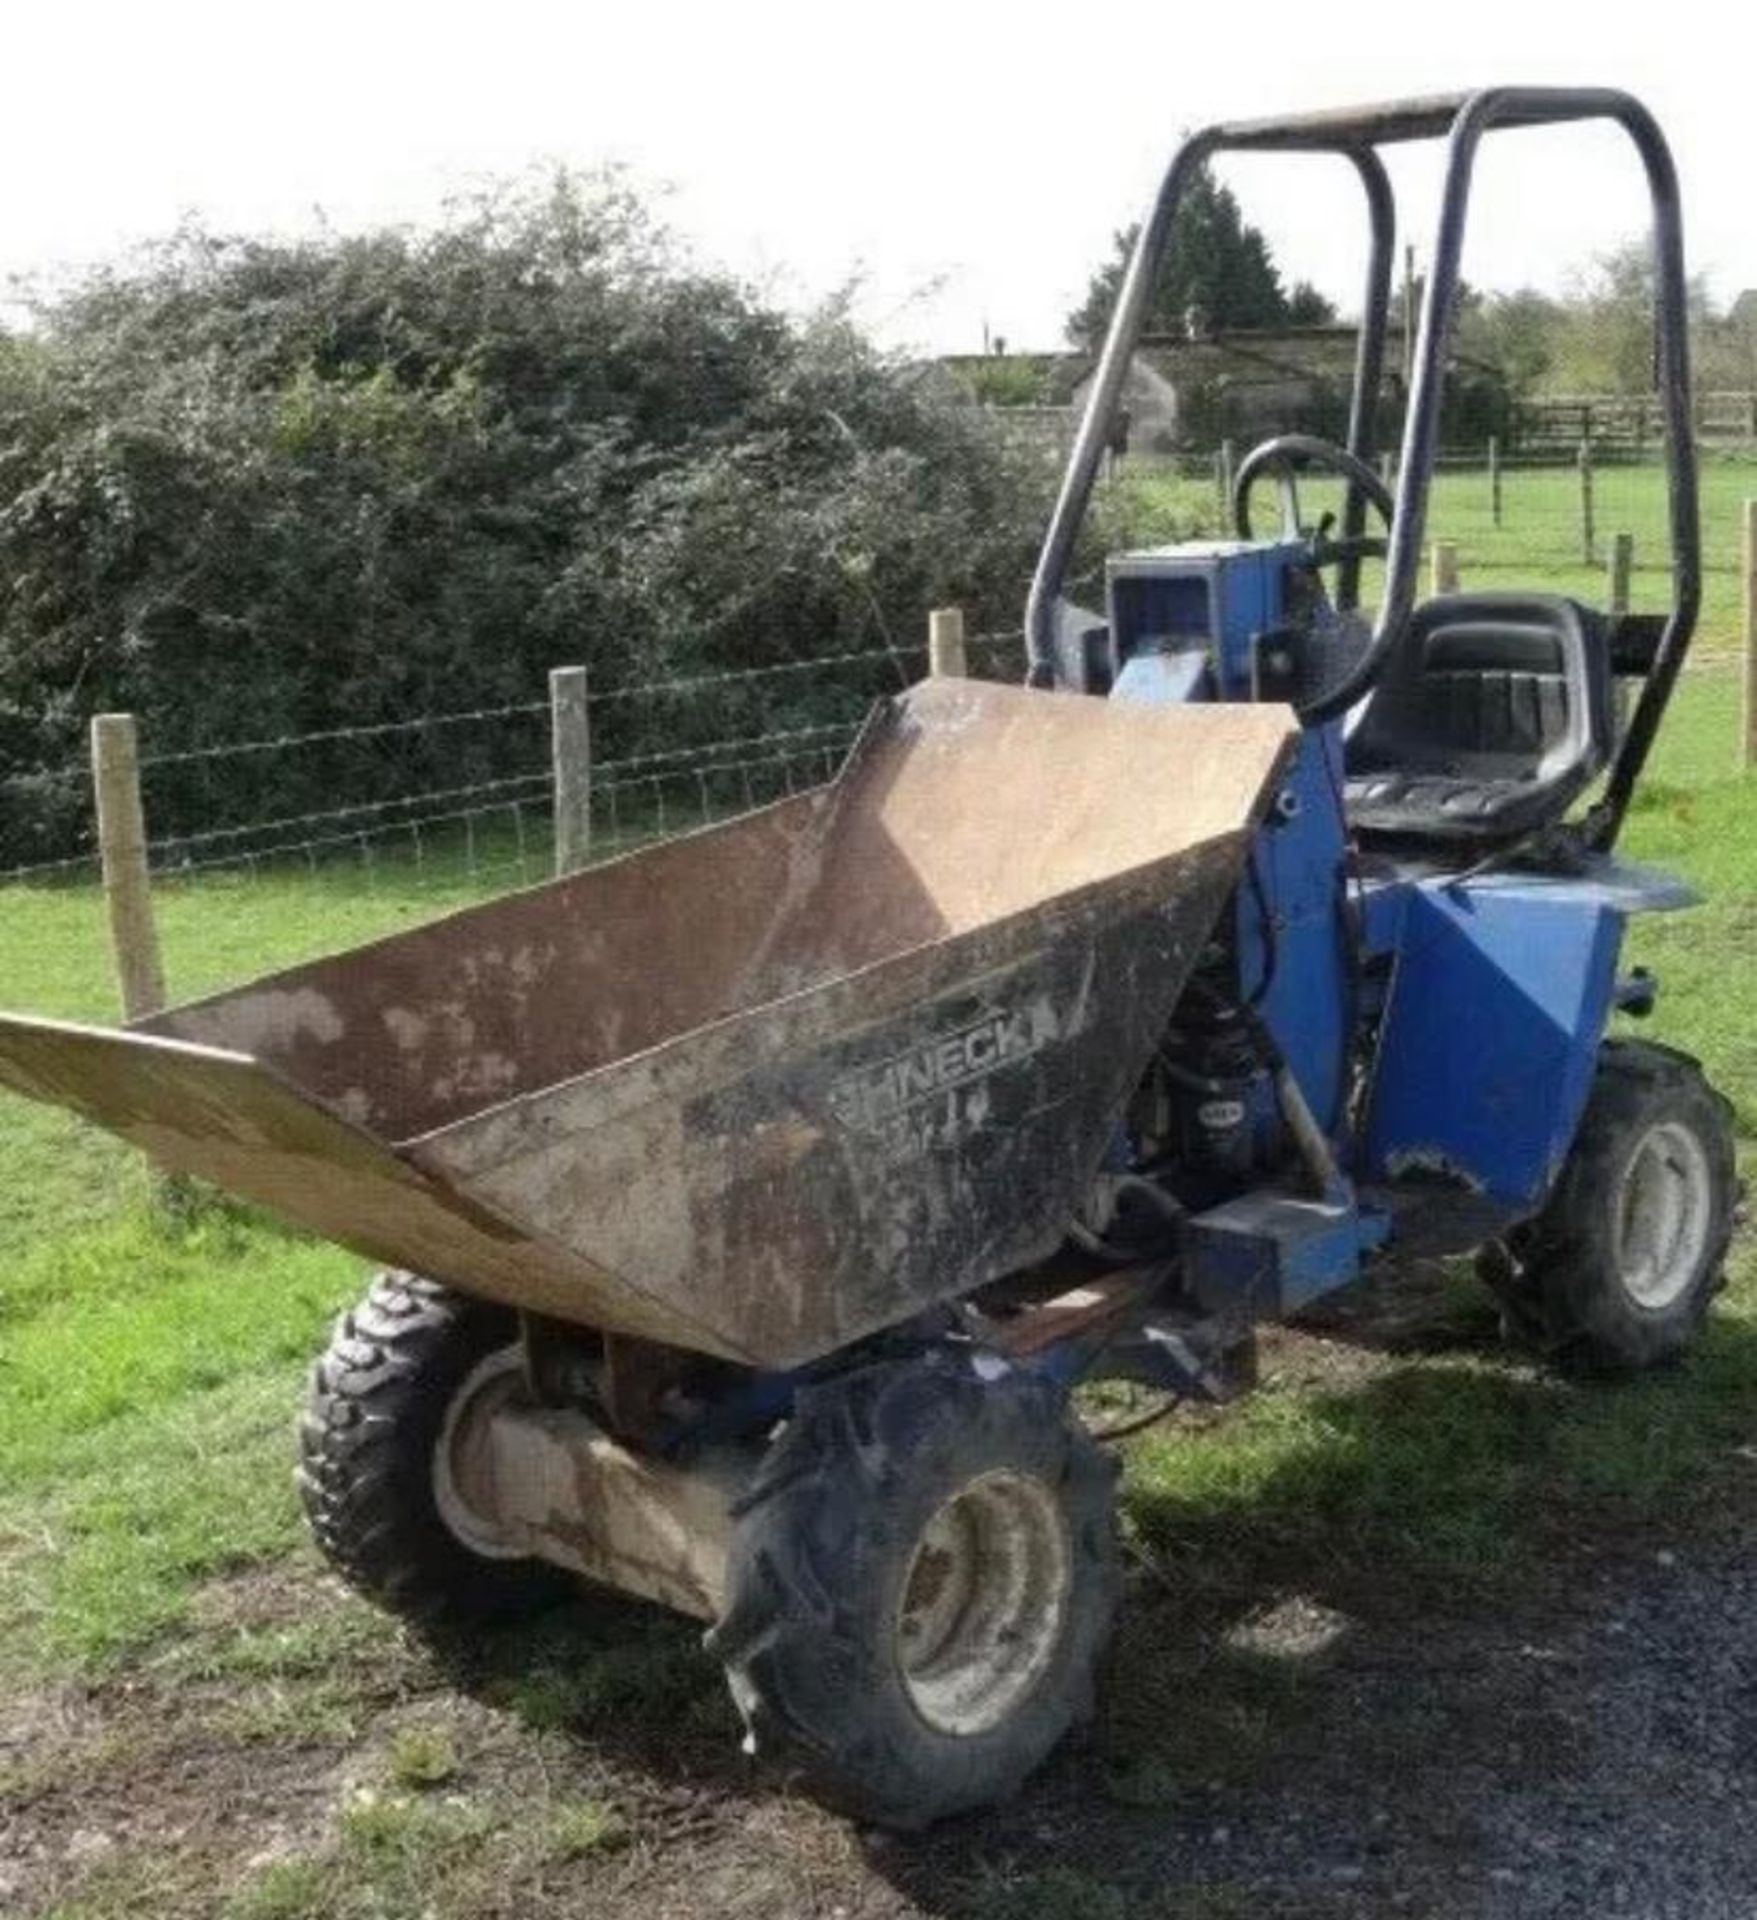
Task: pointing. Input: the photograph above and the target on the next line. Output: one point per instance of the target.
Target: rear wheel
(1618, 1269)
(385, 1477)
(921, 1587)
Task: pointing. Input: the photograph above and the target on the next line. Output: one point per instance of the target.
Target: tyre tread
(374, 1402)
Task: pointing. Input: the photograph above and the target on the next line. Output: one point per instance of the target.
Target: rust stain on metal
(756, 1091)
(1087, 1308)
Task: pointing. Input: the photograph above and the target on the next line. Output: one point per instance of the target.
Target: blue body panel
(1499, 996)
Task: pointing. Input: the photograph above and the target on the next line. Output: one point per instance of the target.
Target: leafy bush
(1018, 380)
(252, 487)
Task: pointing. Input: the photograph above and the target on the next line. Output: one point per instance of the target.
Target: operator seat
(1492, 713)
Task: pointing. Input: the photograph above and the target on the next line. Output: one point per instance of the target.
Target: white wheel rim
(463, 1467)
(984, 1603)
(1663, 1216)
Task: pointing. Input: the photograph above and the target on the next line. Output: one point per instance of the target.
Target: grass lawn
(153, 1573)
(148, 1366)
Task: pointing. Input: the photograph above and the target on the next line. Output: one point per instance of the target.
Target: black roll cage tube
(1356, 135)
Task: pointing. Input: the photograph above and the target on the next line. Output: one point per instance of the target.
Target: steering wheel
(1283, 456)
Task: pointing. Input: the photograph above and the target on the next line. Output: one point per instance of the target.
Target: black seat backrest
(1494, 710)
(1492, 687)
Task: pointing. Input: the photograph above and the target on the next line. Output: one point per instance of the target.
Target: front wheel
(1618, 1269)
(921, 1586)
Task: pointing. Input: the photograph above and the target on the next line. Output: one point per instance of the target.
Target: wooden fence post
(140, 972)
(571, 756)
(1445, 567)
(1751, 633)
(946, 658)
(1494, 479)
(1621, 567)
(1588, 541)
(1223, 481)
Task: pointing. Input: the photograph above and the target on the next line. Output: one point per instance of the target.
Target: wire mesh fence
(668, 754)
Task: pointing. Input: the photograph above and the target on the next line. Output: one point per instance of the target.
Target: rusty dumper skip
(751, 1205)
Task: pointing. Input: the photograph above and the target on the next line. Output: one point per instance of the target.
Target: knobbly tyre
(751, 1205)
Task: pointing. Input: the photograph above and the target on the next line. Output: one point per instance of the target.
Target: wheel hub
(984, 1602)
(1664, 1217)
(463, 1461)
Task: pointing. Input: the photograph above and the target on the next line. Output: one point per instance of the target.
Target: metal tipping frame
(1356, 135)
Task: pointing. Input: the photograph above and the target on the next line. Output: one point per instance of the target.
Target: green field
(152, 1566)
(1540, 538)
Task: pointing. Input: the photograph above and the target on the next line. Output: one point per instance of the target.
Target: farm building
(1192, 392)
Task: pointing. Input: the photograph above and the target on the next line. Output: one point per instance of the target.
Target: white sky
(970, 161)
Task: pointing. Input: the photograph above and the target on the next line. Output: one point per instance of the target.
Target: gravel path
(1601, 1762)
(1596, 1757)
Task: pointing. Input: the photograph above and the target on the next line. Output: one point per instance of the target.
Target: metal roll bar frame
(1356, 135)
